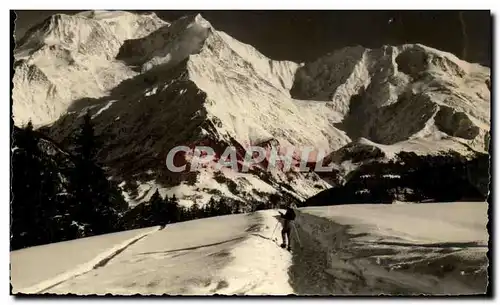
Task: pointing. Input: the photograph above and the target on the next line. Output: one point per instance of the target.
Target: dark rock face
(456, 124)
(356, 152)
(447, 177)
(412, 62)
(415, 61)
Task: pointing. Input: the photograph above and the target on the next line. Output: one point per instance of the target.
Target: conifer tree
(157, 210)
(33, 192)
(172, 209)
(98, 202)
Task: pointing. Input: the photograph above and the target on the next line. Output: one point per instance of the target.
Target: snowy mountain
(70, 57)
(150, 86)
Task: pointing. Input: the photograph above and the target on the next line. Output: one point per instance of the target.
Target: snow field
(224, 255)
(433, 248)
(37, 268)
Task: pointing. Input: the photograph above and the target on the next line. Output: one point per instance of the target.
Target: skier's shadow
(262, 236)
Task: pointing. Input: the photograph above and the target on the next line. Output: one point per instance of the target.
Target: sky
(303, 36)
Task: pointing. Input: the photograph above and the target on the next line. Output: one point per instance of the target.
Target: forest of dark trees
(57, 196)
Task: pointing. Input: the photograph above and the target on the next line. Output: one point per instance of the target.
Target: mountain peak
(64, 29)
(202, 21)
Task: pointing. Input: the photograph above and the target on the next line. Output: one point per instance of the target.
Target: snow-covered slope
(186, 83)
(360, 250)
(74, 256)
(435, 248)
(223, 255)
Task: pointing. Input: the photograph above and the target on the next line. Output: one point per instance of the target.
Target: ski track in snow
(373, 252)
(228, 261)
(99, 261)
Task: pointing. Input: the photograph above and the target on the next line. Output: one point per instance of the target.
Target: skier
(288, 217)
